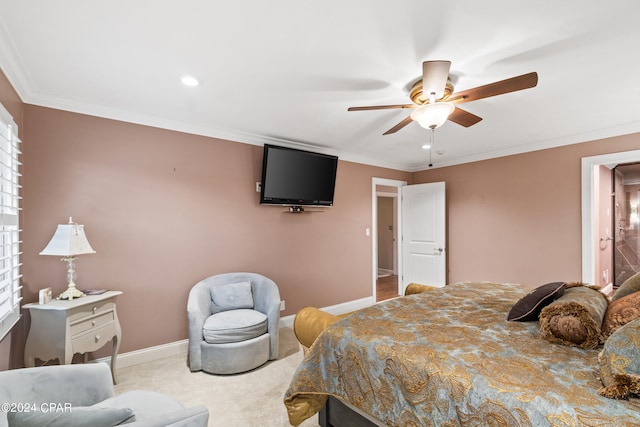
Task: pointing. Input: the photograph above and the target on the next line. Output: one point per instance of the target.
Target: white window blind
(10, 256)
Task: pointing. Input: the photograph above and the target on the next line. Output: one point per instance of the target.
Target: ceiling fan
(434, 101)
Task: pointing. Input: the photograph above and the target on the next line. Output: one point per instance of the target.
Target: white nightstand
(60, 329)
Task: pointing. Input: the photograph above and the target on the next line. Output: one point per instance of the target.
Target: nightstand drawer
(89, 310)
(91, 322)
(94, 339)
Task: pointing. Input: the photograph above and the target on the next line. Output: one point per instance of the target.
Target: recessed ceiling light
(190, 81)
(426, 146)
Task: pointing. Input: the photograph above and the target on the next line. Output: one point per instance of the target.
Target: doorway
(626, 224)
(385, 239)
(387, 276)
(593, 234)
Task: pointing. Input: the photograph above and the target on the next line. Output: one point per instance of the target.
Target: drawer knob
(97, 338)
(93, 323)
(95, 309)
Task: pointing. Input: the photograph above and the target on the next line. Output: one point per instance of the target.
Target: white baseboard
(346, 307)
(149, 354)
(178, 348)
(384, 271)
(608, 290)
(341, 308)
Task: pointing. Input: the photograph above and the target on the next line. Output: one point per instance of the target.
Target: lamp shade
(68, 240)
(431, 116)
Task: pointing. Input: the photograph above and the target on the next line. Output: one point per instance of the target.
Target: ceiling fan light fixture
(431, 116)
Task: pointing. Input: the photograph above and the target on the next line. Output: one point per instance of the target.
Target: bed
(449, 357)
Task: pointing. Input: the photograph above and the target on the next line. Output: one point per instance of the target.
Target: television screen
(295, 177)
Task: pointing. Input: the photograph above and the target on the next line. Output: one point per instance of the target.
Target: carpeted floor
(245, 400)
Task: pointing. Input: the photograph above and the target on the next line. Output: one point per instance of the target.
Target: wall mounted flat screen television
(292, 177)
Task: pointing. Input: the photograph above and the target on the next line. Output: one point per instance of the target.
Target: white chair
(233, 323)
(83, 395)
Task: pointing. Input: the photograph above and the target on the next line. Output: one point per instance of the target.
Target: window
(9, 224)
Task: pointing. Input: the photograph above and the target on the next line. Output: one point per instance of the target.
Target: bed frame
(336, 413)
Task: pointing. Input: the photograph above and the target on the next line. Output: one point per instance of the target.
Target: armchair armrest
(78, 385)
(198, 309)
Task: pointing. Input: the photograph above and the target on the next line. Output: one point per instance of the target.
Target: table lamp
(69, 241)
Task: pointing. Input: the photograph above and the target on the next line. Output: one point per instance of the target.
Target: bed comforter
(448, 357)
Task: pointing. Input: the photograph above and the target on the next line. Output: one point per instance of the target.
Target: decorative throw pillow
(416, 288)
(231, 297)
(631, 285)
(528, 307)
(619, 362)
(575, 318)
(75, 416)
(620, 312)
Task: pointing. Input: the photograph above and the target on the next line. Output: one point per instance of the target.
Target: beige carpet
(250, 399)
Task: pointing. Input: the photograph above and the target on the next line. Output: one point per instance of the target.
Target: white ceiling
(285, 71)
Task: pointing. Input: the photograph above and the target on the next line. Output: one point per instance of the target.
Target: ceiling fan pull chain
(432, 137)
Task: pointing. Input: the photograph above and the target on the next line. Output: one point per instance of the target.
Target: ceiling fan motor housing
(418, 97)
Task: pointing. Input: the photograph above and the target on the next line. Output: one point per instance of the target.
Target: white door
(424, 258)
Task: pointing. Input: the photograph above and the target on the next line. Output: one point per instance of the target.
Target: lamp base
(71, 293)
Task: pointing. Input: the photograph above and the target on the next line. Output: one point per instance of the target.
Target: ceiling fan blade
(381, 107)
(513, 84)
(434, 77)
(399, 126)
(464, 118)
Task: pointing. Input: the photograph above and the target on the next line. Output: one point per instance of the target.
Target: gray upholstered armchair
(83, 395)
(233, 323)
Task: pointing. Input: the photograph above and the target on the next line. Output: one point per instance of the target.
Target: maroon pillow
(620, 312)
(528, 307)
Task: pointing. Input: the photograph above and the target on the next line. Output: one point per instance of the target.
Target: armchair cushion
(234, 326)
(45, 416)
(233, 296)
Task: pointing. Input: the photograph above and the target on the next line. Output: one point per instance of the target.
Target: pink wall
(386, 232)
(518, 218)
(165, 209)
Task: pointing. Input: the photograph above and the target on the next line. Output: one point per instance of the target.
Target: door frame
(374, 229)
(589, 239)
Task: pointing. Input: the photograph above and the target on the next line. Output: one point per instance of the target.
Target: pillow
(231, 297)
(575, 318)
(620, 312)
(631, 285)
(528, 307)
(416, 288)
(310, 322)
(619, 362)
(80, 416)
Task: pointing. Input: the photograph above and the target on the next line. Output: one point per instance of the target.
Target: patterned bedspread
(448, 357)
